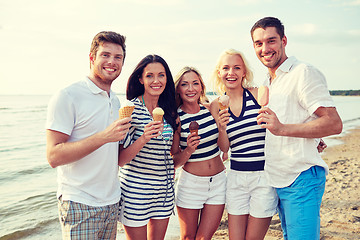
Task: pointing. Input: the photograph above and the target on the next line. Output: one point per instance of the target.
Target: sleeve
(313, 90)
(128, 140)
(61, 115)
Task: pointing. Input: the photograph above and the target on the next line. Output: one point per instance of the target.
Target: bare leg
(209, 221)
(157, 228)
(135, 233)
(257, 228)
(237, 226)
(188, 219)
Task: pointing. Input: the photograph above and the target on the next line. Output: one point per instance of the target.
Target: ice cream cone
(222, 107)
(195, 131)
(158, 114)
(158, 117)
(263, 95)
(223, 102)
(126, 111)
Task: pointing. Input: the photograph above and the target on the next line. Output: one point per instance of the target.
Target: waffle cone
(195, 131)
(222, 107)
(126, 111)
(158, 117)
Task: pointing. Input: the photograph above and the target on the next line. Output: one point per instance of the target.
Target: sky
(44, 44)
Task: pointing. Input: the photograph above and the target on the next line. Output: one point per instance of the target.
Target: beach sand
(340, 209)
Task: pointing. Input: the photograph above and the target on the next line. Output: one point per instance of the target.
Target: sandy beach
(340, 209)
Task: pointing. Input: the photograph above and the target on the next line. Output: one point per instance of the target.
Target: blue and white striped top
(147, 182)
(208, 132)
(247, 139)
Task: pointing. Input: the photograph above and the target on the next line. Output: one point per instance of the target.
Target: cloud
(351, 3)
(305, 29)
(354, 32)
(249, 2)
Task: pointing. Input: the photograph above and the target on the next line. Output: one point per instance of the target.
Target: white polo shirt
(80, 111)
(296, 93)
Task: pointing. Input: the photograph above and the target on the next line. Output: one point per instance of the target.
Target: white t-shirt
(296, 93)
(80, 111)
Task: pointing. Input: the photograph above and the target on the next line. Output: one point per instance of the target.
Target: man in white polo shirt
(83, 131)
(300, 111)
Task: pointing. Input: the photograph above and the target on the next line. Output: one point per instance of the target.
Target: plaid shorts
(80, 221)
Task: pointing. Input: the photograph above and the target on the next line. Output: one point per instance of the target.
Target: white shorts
(193, 191)
(249, 193)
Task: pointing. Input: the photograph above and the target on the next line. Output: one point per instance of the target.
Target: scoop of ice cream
(263, 95)
(193, 126)
(127, 104)
(158, 111)
(224, 100)
(158, 114)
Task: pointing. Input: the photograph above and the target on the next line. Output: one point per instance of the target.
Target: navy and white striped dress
(147, 182)
(247, 139)
(208, 132)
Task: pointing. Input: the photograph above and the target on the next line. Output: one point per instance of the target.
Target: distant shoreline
(332, 93)
(345, 92)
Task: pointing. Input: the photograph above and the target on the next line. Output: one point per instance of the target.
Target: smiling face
(232, 71)
(190, 88)
(269, 47)
(154, 79)
(107, 64)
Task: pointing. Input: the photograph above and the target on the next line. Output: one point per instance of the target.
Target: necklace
(143, 101)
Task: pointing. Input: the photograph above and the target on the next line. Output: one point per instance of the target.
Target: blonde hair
(177, 80)
(247, 81)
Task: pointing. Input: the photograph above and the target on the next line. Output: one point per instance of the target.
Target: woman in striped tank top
(200, 193)
(147, 173)
(250, 201)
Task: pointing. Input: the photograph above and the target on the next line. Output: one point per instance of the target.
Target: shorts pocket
(63, 210)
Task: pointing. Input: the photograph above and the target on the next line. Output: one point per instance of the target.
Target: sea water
(28, 206)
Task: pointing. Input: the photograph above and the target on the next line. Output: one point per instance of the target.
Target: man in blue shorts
(83, 131)
(299, 112)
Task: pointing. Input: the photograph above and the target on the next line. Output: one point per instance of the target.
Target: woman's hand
(321, 146)
(153, 130)
(223, 120)
(193, 141)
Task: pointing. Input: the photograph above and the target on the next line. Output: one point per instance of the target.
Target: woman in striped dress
(147, 173)
(200, 193)
(250, 201)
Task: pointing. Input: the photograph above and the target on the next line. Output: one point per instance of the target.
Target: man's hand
(268, 119)
(117, 130)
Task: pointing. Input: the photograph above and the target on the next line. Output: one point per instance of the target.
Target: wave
(33, 230)
(12, 175)
(29, 204)
(33, 215)
(351, 120)
(24, 147)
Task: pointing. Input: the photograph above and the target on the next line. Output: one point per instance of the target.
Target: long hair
(167, 97)
(216, 80)
(178, 78)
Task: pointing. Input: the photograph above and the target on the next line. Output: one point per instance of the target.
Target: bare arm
(221, 119)
(180, 157)
(151, 130)
(328, 123)
(60, 152)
